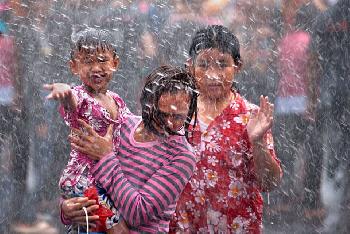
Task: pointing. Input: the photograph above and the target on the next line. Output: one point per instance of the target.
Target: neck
(142, 134)
(210, 108)
(95, 92)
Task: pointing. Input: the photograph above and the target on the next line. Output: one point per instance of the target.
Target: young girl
(154, 161)
(233, 145)
(93, 60)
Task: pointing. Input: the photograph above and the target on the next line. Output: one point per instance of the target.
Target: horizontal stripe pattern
(145, 182)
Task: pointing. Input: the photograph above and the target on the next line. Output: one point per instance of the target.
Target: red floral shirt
(223, 195)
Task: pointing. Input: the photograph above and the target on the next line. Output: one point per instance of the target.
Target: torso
(98, 113)
(222, 195)
(139, 160)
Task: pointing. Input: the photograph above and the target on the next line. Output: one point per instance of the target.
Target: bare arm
(268, 172)
(62, 93)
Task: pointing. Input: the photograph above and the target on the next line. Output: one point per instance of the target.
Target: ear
(189, 66)
(239, 66)
(73, 66)
(116, 62)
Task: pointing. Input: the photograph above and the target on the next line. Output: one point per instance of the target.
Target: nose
(175, 124)
(212, 74)
(96, 67)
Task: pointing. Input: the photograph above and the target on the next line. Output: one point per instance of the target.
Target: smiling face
(173, 109)
(214, 72)
(95, 69)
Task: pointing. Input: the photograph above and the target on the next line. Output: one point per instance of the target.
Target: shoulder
(131, 120)
(244, 104)
(117, 98)
(183, 147)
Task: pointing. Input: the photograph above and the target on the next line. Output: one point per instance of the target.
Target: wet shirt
(223, 195)
(76, 176)
(144, 180)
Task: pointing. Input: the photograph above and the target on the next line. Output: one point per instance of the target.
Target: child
(233, 145)
(93, 60)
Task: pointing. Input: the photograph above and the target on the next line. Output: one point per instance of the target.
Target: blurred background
(294, 51)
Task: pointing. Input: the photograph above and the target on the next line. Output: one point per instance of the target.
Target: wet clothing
(77, 177)
(223, 195)
(144, 180)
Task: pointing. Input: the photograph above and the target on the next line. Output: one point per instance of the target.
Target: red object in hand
(102, 211)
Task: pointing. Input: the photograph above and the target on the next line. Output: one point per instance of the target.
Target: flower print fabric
(76, 176)
(223, 195)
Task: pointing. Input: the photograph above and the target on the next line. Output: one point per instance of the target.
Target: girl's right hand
(72, 210)
(62, 93)
(59, 91)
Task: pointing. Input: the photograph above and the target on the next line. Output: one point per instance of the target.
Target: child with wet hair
(93, 60)
(235, 157)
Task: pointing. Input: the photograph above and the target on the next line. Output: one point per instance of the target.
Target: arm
(267, 169)
(139, 205)
(62, 93)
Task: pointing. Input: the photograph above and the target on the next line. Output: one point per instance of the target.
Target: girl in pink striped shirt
(154, 161)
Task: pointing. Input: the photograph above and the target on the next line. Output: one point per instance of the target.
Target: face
(214, 72)
(173, 108)
(95, 69)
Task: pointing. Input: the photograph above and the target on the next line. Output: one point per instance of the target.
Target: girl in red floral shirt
(233, 145)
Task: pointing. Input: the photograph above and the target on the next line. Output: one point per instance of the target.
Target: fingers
(48, 87)
(91, 225)
(82, 219)
(110, 131)
(59, 95)
(77, 134)
(87, 127)
(81, 213)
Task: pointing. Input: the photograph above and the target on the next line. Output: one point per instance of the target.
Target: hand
(260, 122)
(90, 143)
(59, 91)
(62, 93)
(72, 209)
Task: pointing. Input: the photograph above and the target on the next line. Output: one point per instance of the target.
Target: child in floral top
(94, 60)
(235, 159)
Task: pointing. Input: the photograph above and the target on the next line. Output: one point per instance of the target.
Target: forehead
(93, 52)
(214, 54)
(173, 102)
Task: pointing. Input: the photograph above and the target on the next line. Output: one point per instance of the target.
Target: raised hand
(261, 121)
(89, 142)
(62, 93)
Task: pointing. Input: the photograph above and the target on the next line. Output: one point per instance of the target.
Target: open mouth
(97, 78)
(217, 85)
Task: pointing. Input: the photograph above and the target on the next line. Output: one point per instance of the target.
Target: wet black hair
(90, 40)
(216, 36)
(167, 79)
(219, 37)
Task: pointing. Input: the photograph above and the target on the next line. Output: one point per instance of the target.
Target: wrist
(64, 219)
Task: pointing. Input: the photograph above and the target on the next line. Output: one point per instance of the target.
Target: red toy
(102, 211)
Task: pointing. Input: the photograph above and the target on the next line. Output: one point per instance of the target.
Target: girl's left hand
(87, 141)
(260, 122)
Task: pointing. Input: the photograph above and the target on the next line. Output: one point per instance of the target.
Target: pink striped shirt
(144, 180)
